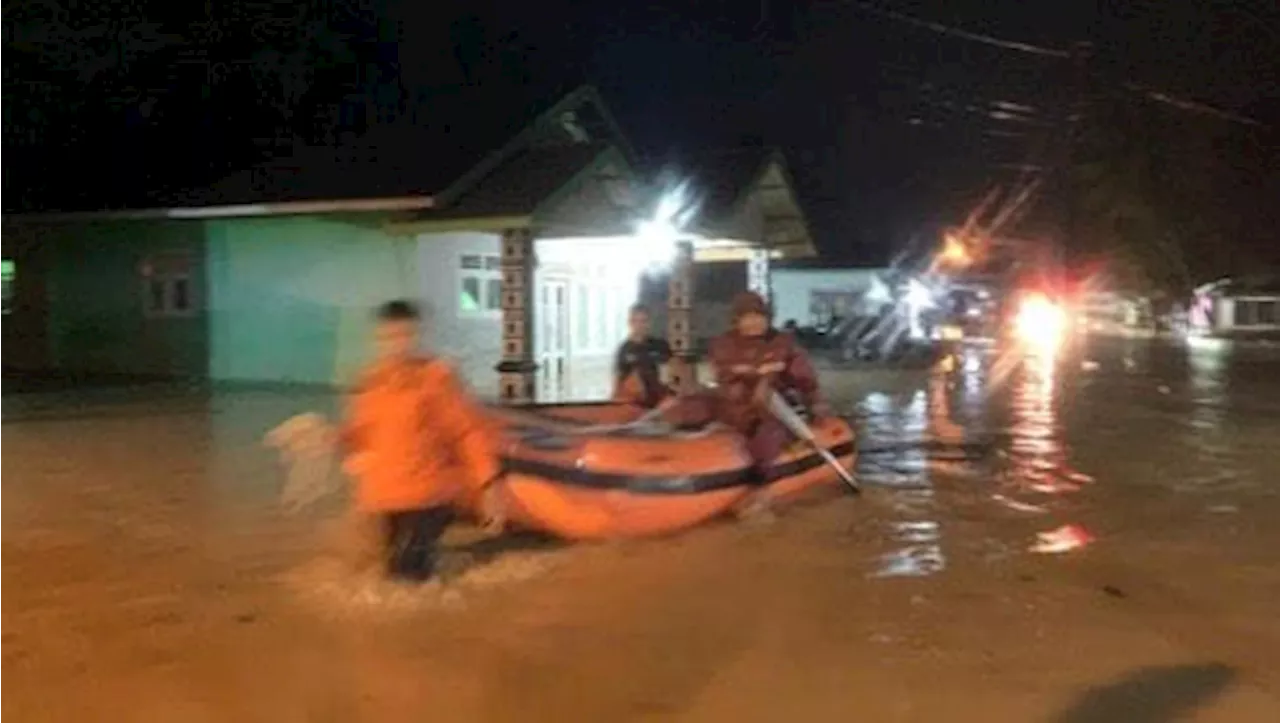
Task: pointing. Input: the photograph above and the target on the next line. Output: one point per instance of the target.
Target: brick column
(516, 371)
(758, 272)
(680, 312)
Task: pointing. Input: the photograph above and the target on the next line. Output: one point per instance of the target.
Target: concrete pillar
(517, 370)
(1225, 316)
(680, 315)
(758, 273)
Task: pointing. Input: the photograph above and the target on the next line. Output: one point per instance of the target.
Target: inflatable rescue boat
(602, 471)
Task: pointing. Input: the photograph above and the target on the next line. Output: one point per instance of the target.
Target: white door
(553, 337)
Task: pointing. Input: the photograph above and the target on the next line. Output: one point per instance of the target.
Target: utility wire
(1144, 91)
(1193, 106)
(961, 33)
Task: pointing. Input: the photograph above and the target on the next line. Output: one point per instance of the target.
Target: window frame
(489, 270)
(169, 272)
(1272, 315)
(10, 287)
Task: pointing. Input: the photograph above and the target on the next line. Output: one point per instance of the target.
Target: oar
(792, 421)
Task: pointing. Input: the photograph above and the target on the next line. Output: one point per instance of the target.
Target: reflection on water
(1036, 451)
(915, 535)
(1208, 385)
(957, 407)
(923, 557)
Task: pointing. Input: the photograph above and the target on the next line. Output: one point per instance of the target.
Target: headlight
(1040, 323)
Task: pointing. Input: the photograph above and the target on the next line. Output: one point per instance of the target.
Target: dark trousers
(409, 541)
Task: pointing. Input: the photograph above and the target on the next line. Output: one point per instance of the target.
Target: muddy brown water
(148, 575)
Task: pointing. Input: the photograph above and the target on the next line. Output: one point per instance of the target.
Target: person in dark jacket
(637, 366)
(750, 362)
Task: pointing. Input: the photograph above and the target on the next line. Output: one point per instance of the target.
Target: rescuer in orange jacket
(416, 444)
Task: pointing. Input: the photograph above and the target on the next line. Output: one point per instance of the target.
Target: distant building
(815, 297)
(1236, 307)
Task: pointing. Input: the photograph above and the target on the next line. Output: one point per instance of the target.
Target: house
(817, 296)
(1236, 307)
(524, 249)
(741, 195)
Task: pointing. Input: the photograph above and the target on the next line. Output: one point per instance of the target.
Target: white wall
(471, 337)
(601, 290)
(792, 288)
(1245, 313)
(1224, 313)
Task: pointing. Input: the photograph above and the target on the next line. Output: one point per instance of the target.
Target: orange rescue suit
(415, 438)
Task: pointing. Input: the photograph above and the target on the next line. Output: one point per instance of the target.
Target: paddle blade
(779, 408)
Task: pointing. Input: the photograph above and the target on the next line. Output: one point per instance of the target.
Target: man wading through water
(415, 442)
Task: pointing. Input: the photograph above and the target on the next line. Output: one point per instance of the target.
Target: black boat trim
(546, 413)
(667, 485)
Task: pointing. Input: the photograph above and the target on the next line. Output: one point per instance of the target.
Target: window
(582, 336)
(9, 271)
(1266, 313)
(599, 317)
(480, 285)
(167, 288)
(616, 316)
(1244, 313)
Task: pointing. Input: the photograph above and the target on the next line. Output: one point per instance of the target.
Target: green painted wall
(290, 298)
(278, 299)
(95, 299)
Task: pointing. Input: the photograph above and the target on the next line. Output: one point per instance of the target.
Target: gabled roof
(522, 182)
(724, 182)
(584, 97)
(449, 153)
(1257, 284)
(581, 189)
(453, 141)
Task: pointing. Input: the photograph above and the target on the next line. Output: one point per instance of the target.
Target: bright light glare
(655, 242)
(1040, 324)
(954, 252)
(656, 237)
(878, 291)
(918, 295)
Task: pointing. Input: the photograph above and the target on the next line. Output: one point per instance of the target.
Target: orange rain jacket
(415, 438)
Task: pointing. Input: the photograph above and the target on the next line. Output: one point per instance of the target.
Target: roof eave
(251, 210)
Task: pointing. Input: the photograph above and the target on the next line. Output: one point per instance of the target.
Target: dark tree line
(1172, 201)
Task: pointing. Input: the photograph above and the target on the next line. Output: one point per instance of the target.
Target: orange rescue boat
(600, 471)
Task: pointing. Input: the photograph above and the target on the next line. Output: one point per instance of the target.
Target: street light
(656, 236)
(954, 252)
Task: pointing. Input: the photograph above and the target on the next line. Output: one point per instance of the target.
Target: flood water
(150, 576)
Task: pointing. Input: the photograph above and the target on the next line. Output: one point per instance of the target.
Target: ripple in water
(1035, 460)
(338, 590)
(916, 535)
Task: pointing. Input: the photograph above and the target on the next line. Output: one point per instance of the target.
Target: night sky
(839, 89)
(876, 113)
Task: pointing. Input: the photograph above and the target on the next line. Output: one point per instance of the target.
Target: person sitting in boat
(750, 362)
(637, 367)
